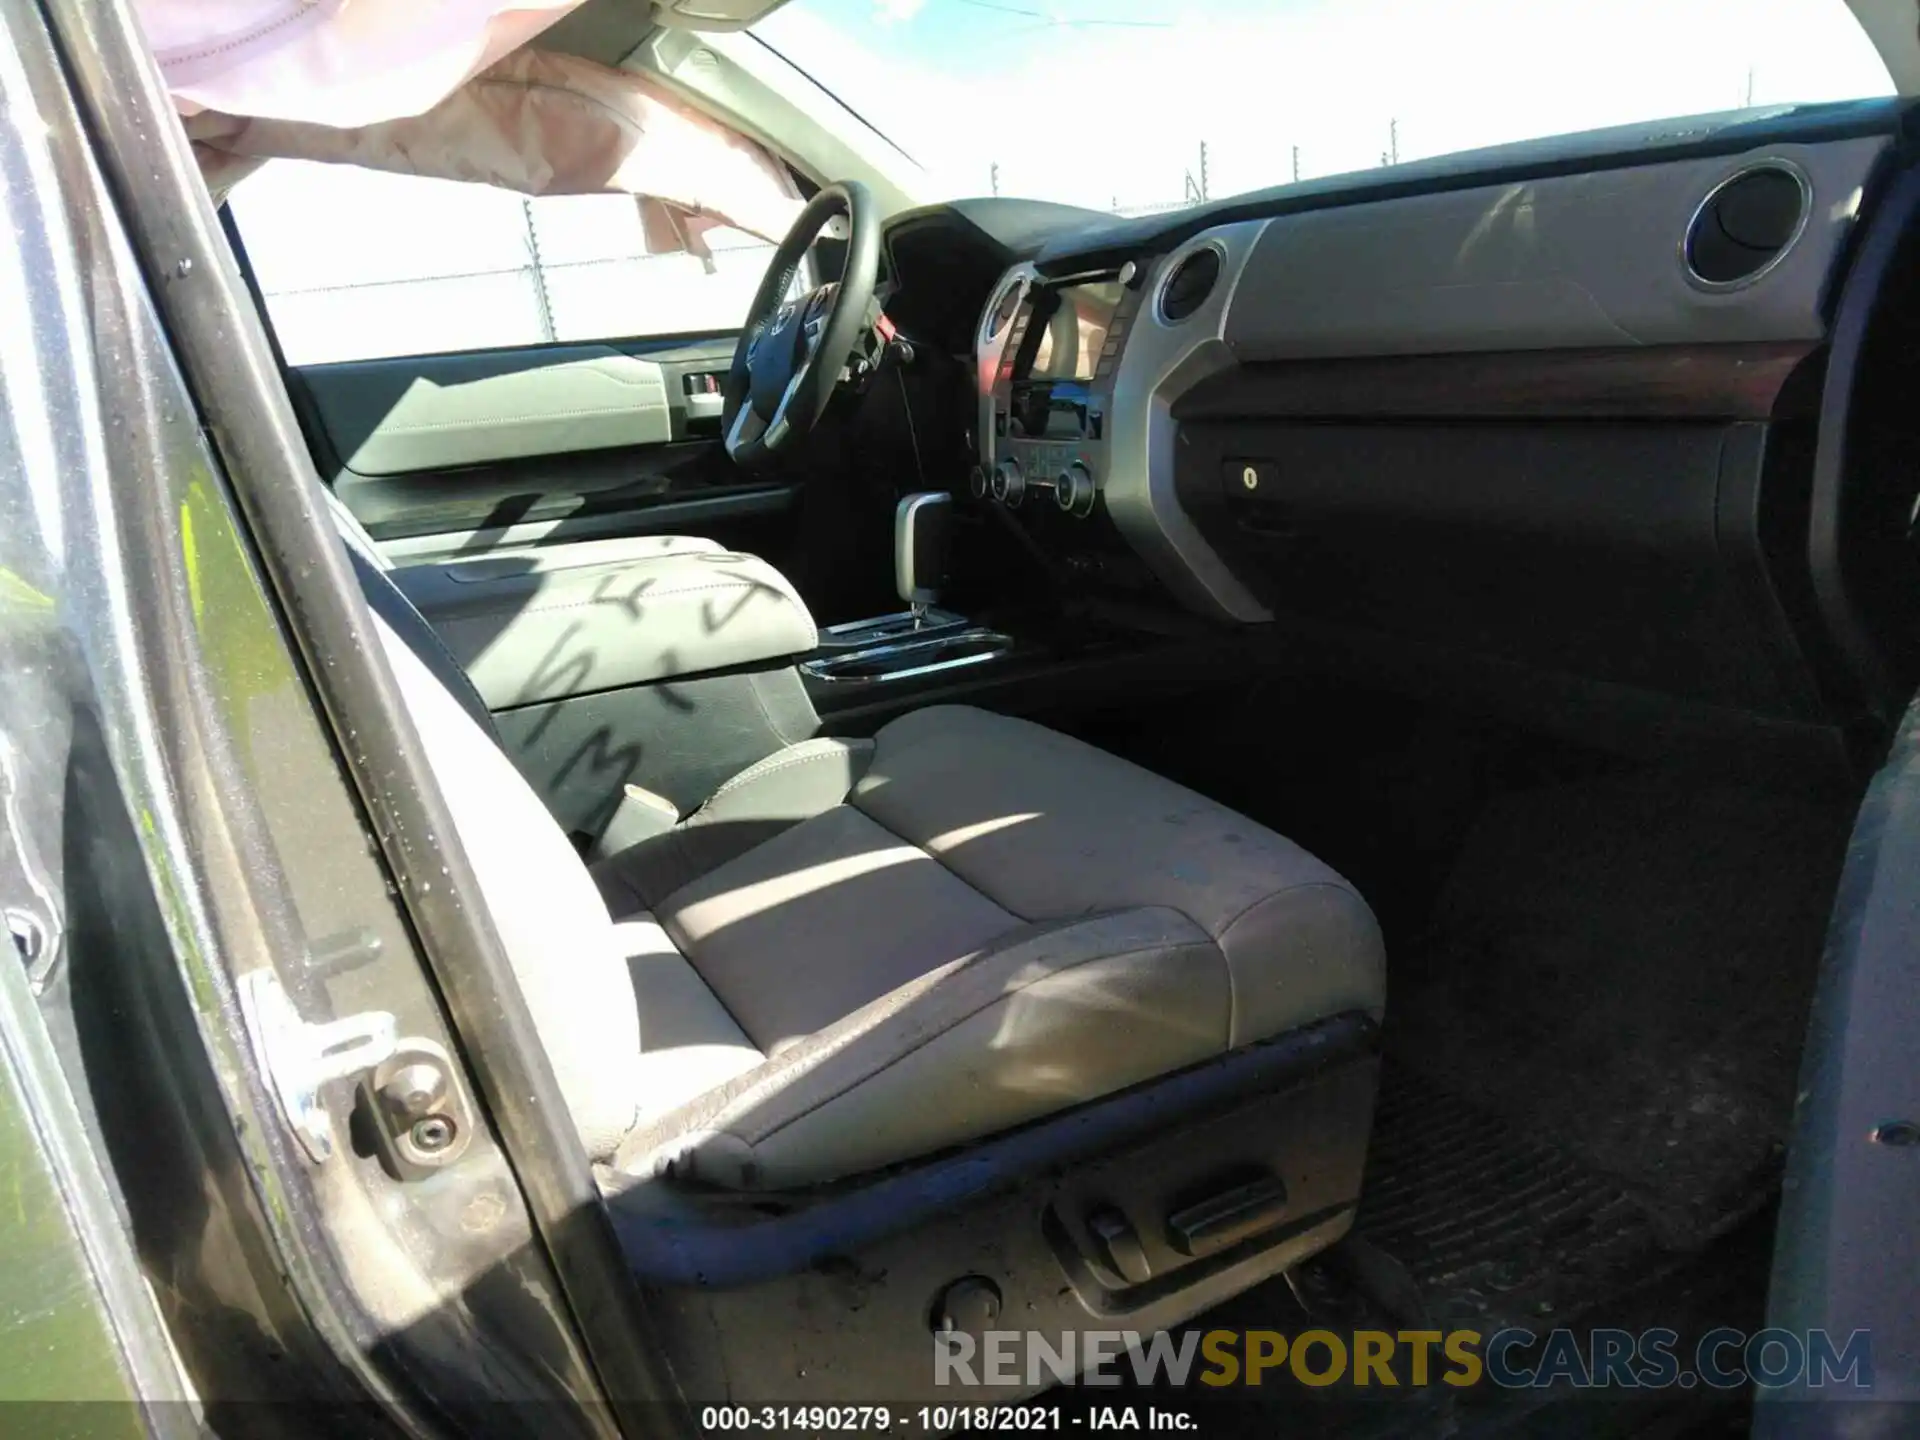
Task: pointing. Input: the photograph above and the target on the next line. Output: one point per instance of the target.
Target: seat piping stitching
(773, 765)
(1340, 885)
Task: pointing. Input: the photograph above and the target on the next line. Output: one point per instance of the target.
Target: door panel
(463, 453)
(437, 412)
(1849, 1229)
(621, 486)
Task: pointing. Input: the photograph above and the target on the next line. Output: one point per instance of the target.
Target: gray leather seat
(861, 952)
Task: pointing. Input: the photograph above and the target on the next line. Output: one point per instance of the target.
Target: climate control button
(1009, 485)
(1073, 489)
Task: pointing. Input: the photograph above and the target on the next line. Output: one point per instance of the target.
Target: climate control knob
(1009, 485)
(978, 482)
(1073, 489)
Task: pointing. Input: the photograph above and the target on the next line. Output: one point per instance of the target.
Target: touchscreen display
(1070, 341)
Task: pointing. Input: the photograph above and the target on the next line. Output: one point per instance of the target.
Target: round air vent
(1188, 284)
(1003, 308)
(1747, 224)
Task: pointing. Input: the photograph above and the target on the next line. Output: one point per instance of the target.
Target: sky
(1105, 102)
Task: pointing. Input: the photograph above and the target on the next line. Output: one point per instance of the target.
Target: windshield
(1133, 107)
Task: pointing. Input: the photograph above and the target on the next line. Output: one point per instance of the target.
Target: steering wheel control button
(1250, 479)
(1009, 485)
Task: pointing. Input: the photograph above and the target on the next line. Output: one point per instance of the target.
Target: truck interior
(1285, 762)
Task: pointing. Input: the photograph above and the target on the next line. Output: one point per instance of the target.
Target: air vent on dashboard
(1188, 284)
(1003, 309)
(1747, 224)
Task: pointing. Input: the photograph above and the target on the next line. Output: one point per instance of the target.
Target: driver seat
(862, 952)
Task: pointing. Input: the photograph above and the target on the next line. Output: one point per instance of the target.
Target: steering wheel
(791, 352)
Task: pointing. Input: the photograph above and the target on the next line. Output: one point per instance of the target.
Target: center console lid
(572, 620)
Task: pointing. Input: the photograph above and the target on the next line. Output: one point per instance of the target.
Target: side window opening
(358, 264)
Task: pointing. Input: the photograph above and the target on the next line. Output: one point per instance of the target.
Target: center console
(917, 642)
(1047, 356)
(1058, 449)
(1048, 353)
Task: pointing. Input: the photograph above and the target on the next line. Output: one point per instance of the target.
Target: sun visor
(445, 90)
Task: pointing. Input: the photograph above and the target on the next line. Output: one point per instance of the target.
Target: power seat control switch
(1116, 1245)
(971, 1305)
(1226, 1217)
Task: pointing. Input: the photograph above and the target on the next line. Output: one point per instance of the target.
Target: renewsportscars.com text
(1723, 1359)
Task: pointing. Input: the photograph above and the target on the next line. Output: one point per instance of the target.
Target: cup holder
(904, 659)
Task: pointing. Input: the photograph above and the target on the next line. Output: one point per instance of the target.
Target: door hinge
(299, 1058)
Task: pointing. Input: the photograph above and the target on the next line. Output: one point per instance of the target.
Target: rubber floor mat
(1498, 1225)
(1622, 969)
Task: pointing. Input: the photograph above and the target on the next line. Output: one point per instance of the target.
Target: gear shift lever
(920, 537)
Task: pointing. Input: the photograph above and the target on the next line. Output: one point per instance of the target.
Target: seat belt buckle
(641, 815)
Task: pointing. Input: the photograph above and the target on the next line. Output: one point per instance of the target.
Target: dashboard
(1547, 414)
